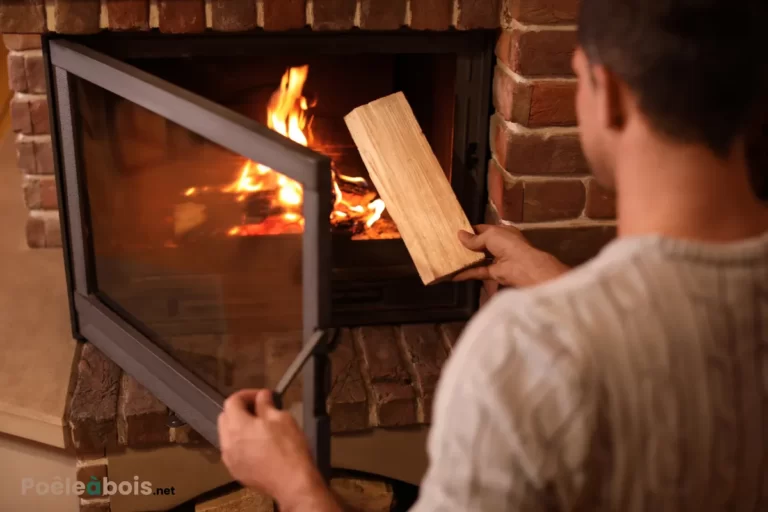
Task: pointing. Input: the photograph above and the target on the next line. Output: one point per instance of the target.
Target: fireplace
(216, 214)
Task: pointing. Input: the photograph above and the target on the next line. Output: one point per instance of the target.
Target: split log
(408, 177)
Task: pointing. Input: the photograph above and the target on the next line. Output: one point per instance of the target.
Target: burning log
(269, 203)
(408, 177)
(354, 186)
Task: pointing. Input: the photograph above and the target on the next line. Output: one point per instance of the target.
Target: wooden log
(363, 495)
(417, 193)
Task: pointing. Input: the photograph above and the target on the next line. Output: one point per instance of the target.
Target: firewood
(417, 193)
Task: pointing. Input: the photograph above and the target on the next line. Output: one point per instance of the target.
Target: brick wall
(188, 16)
(34, 156)
(538, 179)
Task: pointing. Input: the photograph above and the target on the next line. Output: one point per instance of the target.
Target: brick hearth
(383, 377)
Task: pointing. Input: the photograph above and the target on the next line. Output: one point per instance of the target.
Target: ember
(272, 202)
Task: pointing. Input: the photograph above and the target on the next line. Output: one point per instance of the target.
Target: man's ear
(610, 96)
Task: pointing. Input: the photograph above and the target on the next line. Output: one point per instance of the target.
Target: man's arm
(267, 451)
(510, 409)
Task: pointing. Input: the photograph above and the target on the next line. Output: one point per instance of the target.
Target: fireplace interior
(225, 262)
(176, 193)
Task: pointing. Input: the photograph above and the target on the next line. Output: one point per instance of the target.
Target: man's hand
(267, 451)
(515, 263)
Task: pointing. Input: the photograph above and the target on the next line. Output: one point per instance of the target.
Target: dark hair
(698, 67)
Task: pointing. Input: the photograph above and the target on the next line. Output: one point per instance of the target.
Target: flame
(355, 202)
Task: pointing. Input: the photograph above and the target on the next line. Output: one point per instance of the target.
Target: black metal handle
(293, 370)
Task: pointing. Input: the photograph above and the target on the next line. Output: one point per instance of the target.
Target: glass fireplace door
(198, 240)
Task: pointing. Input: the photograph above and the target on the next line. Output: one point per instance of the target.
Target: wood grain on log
(363, 495)
(409, 179)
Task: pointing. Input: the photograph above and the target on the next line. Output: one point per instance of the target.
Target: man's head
(688, 71)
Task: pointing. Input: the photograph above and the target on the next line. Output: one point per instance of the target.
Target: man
(638, 381)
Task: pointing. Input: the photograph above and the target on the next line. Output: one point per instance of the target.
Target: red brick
(431, 14)
(333, 14)
(38, 113)
(43, 157)
(35, 231)
(95, 507)
(31, 189)
(20, 117)
(348, 400)
(535, 103)
(22, 16)
(141, 418)
(77, 16)
(601, 203)
(572, 245)
(52, 230)
(479, 14)
(35, 69)
(393, 395)
(40, 193)
(382, 14)
(511, 99)
(93, 407)
(538, 153)
(284, 14)
(43, 229)
(19, 42)
(25, 156)
(181, 16)
(128, 14)
(425, 352)
(48, 197)
(17, 73)
(541, 12)
(537, 52)
(553, 200)
(233, 15)
(553, 104)
(86, 473)
(506, 197)
(451, 333)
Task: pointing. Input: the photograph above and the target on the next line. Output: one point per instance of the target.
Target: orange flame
(355, 202)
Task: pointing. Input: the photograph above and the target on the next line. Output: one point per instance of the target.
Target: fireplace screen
(166, 284)
(217, 215)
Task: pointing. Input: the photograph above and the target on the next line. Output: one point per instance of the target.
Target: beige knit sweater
(638, 382)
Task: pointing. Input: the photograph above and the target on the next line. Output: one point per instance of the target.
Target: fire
(273, 201)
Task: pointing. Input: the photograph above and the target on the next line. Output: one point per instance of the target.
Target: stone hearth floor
(36, 348)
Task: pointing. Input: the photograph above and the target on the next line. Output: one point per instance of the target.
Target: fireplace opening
(184, 192)
(216, 214)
